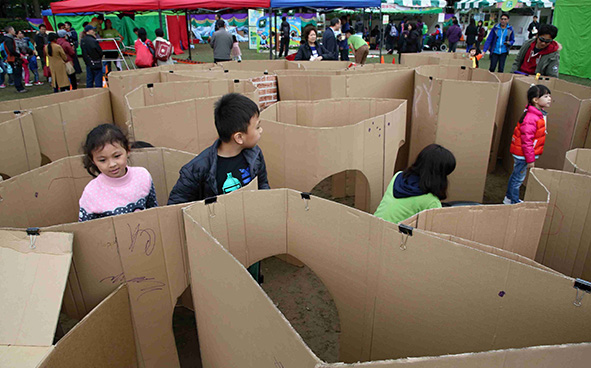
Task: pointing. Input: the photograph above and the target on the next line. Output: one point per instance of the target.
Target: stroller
(434, 43)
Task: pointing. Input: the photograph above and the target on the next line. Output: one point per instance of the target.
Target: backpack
(163, 50)
(393, 31)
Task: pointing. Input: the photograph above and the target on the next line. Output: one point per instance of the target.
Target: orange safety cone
(382, 60)
(105, 85)
(393, 58)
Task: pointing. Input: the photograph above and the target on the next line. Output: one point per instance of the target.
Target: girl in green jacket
(420, 187)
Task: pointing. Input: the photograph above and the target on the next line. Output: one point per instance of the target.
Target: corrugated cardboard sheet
(305, 142)
(578, 161)
(436, 58)
(397, 295)
(565, 245)
(567, 124)
(456, 107)
(19, 147)
(63, 120)
(123, 82)
(190, 119)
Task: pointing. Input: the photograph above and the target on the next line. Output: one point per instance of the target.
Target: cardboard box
(19, 147)
(398, 295)
(62, 120)
(567, 123)
(318, 85)
(305, 142)
(578, 161)
(436, 58)
(189, 119)
(49, 195)
(123, 82)
(457, 108)
(565, 244)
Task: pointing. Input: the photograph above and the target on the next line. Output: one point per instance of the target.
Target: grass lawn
(204, 53)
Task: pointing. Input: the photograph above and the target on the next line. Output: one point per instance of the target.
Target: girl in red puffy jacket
(528, 139)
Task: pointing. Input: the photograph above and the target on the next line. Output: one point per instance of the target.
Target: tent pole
(275, 37)
(160, 18)
(381, 40)
(188, 20)
(270, 38)
(54, 23)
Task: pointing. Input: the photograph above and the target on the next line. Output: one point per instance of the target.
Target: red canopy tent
(93, 6)
(214, 5)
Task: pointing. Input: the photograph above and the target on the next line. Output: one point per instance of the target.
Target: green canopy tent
(480, 4)
(574, 33)
(406, 7)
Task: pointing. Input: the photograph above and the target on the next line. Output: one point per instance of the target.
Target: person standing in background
(40, 42)
(481, 34)
(391, 34)
(164, 49)
(329, 40)
(499, 42)
(471, 34)
(73, 38)
(14, 58)
(285, 30)
(70, 55)
(93, 57)
(343, 44)
(533, 27)
(454, 34)
(221, 43)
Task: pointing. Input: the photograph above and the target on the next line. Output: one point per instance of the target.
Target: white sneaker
(506, 201)
(28, 85)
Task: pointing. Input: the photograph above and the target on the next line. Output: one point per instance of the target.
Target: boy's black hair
(349, 30)
(142, 34)
(548, 29)
(159, 32)
(42, 25)
(232, 115)
(59, 25)
(284, 18)
(535, 91)
(437, 26)
(97, 139)
(505, 15)
(432, 166)
(68, 23)
(135, 29)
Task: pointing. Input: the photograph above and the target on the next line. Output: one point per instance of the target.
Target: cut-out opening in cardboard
(304, 142)
(578, 161)
(349, 187)
(376, 271)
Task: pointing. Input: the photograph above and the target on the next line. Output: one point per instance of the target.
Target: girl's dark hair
(309, 28)
(432, 166)
(234, 39)
(535, 91)
(51, 38)
(472, 22)
(142, 34)
(97, 139)
(480, 22)
(413, 26)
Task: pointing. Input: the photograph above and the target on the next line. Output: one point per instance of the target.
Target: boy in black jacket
(232, 162)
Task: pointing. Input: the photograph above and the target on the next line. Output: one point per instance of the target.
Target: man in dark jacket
(14, 58)
(93, 57)
(285, 35)
(540, 54)
(533, 28)
(40, 42)
(329, 40)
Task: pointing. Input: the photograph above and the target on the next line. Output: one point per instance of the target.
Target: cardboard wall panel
(565, 244)
(190, 122)
(397, 295)
(440, 93)
(578, 161)
(322, 138)
(19, 146)
(50, 194)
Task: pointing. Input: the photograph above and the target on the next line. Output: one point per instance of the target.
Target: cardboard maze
(435, 58)
(565, 244)
(567, 124)
(19, 147)
(456, 107)
(62, 120)
(578, 161)
(399, 292)
(123, 82)
(188, 120)
(305, 142)
(34, 270)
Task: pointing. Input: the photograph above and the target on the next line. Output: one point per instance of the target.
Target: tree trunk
(36, 9)
(25, 6)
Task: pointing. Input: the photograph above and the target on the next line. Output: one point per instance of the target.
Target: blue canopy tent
(321, 5)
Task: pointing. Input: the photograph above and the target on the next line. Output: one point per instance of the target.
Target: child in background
(420, 187)
(475, 56)
(528, 139)
(233, 160)
(116, 188)
(33, 66)
(236, 53)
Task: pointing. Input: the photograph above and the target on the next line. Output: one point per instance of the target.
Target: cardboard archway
(305, 142)
(401, 292)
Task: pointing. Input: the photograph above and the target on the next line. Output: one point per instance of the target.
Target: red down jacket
(529, 137)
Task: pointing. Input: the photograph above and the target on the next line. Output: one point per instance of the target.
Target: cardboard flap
(23, 356)
(19, 147)
(578, 161)
(33, 283)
